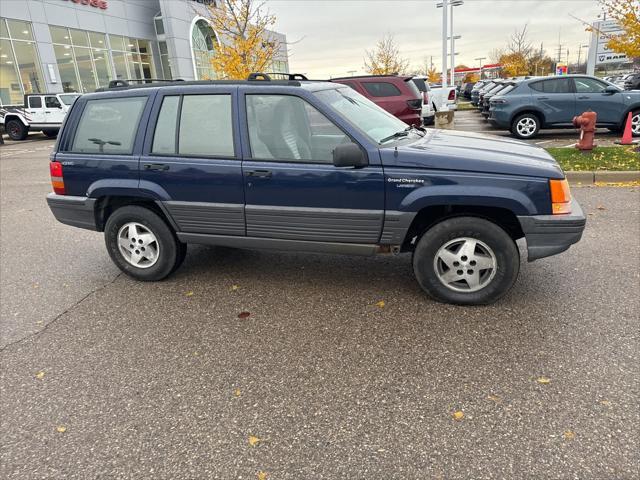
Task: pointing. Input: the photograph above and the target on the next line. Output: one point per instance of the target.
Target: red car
(397, 95)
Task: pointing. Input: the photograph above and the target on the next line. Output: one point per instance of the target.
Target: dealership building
(52, 46)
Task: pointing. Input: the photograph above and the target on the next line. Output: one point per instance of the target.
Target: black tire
(182, 254)
(505, 251)
(170, 255)
(50, 133)
(635, 117)
(16, 130)
(534, 126)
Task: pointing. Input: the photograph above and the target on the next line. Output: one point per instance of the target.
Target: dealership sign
(605, 31)
(103, 4)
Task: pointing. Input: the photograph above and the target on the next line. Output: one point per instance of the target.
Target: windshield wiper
(402, 133)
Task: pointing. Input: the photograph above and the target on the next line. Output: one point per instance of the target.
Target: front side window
(109, 125)
(381, 89)
(589, 85)
(206, 126)
(361, 112)
(52, 102)
(285, 127)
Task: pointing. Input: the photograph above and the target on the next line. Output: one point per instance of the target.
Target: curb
(590, 178)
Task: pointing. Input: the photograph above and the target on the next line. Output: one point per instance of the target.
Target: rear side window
(381, 89)
(205, 126)
(559, 85)
(421, 84)
(35, 102)
(109, 125)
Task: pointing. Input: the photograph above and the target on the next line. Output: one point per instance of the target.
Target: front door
(590, 95)
(555, 99)
(53, 110)
(293, 190)
(191, 160)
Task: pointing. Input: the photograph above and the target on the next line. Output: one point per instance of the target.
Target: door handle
(156, 166)
(259, 173)
(47, 111)
(543, 98)
(584, 97)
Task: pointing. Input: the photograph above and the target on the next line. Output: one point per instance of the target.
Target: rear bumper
(552, 234)
(74, 211)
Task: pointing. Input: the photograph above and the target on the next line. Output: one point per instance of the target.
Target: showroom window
(203, 45)
(82, 58)
(20, 70)
(132, 58)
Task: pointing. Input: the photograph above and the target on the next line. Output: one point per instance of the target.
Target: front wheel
(50, 133)
(16, 130)
(525, 126)
(466, 261)
(141, 244)
(635, 123)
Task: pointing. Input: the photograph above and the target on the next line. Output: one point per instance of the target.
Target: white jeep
(44, 112)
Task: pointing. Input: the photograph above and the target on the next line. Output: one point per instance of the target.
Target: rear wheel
(525, 126)
(141, 244)
(466, 261)
(635, 123)
(16, 130)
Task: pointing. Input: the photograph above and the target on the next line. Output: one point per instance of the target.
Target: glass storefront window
(103, 70)
(117, 42)
(85, 68)
(120, 62)
(20, 70)
(66, 68)
(10, 91)
(79, 38)
(203, 41)
(20, 30)
(97, 40)
(29, 67)
(60, 35)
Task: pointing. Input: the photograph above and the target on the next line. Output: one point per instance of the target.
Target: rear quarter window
(109, 125)
(381, 89)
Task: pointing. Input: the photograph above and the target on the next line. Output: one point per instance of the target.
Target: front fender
(481, 196)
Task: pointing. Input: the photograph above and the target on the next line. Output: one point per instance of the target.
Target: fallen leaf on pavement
(243, 315)
(458, 415)
(569, 435)
(237, 392)
(262, 475)
(494, 398)
(253, 441)
(40, 375)
(605, 403)
(543, 380)
(380, 304)
(189, 294)
(234, 288)
(61, 429)
(600, 207)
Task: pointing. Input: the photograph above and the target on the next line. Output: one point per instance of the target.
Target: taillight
(425, 98)
(415, 104)
(452, 95)
(57, 181)
(560, 196)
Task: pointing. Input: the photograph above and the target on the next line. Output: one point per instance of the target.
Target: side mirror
(610, 90)
(349, 155)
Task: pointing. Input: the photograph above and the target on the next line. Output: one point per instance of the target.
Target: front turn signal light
(560, 197)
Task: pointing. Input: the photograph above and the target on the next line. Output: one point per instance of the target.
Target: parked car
(501, 89)
(475, 91)
(632, 82)
(44, 112)
(476, 96)
(466, 91)
(444, 97)
(428, 109)
(553, 102)
(304, 166)
(398, 95)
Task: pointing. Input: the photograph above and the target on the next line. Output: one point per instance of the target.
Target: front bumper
(74, 211)
(552, 234)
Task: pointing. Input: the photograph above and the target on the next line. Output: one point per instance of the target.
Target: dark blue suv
(552, 102)
(304, 166)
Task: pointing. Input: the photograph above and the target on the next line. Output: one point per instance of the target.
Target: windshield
(362, 113)
(68, 99)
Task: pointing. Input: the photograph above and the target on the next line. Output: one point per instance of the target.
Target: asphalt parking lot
(104, 377)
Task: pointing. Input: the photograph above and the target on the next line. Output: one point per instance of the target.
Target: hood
(472, 152)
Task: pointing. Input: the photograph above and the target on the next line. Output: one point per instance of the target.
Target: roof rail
(267, 76)
(127, 82)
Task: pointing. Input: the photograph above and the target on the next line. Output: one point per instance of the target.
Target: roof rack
(394, 74)
(127, 82)
(266, 76)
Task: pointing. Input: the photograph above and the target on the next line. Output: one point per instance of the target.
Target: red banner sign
(103, 4)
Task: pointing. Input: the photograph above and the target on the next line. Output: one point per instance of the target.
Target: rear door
(293, 190)
(35, 109)
(555, 98)
(191, 159)
(590, 95)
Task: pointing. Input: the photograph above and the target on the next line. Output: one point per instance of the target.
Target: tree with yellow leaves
(385, 58)
(247, 45)
(433, 76)
(627, 14)
(514, 64)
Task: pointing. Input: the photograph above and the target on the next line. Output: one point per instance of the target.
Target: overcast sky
(332, 35)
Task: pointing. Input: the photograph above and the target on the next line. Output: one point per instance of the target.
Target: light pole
(454, 3)
(579, 52)
(481, 59)
(445, 10)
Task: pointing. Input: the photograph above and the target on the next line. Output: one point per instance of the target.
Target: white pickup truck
(443, 96)
(44, 112)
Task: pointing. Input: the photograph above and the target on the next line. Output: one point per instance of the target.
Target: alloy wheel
(526, 126)
(138, 245)
(465, 264)
(635, 124)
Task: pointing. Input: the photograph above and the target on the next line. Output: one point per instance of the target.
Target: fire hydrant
(587, 124)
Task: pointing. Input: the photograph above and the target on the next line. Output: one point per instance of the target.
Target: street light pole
(445, 10)
(480, 59)
(453, 49)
